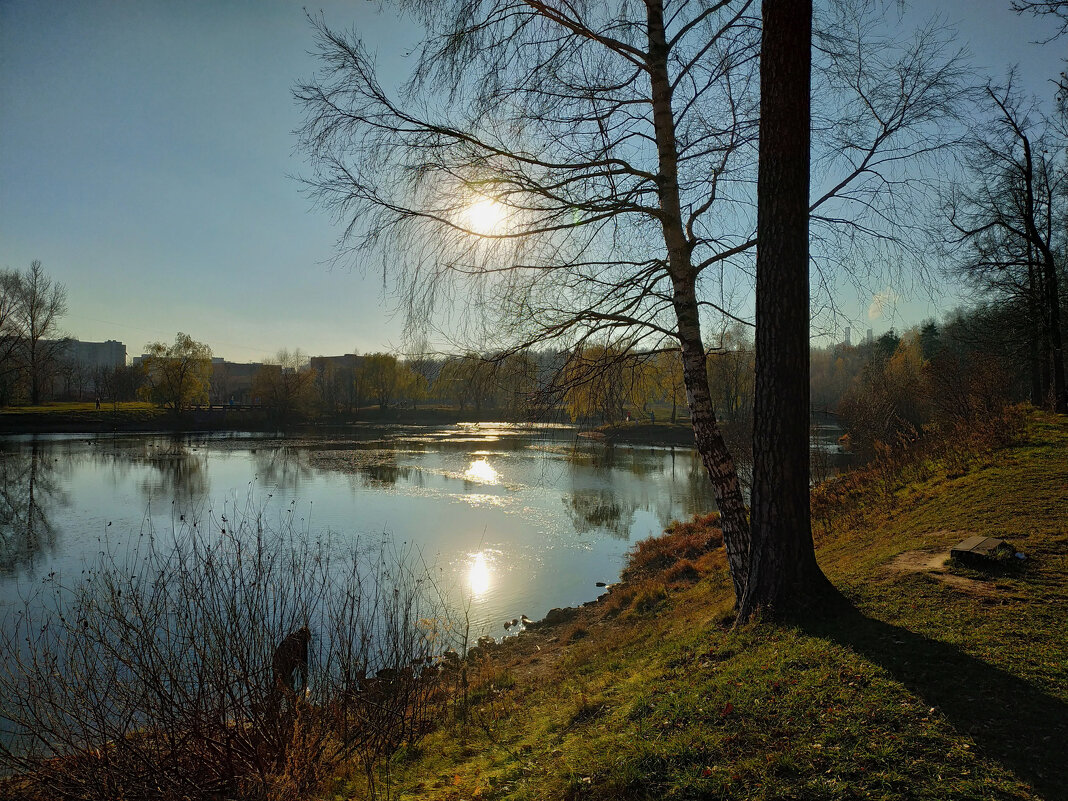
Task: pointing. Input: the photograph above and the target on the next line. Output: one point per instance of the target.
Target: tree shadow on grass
(1011, 720)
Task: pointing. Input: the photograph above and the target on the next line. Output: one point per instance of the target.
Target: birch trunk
(715, 456)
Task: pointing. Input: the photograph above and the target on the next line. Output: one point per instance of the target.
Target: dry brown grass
(955, 447)
(686, 549)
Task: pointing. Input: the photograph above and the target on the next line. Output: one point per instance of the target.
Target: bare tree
(286, 384)
(582, 174)
(1057, 9)
(1009, 213)
(41, 302)
(156, 677)
(9, 330)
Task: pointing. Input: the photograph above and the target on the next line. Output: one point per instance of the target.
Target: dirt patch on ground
(919, 561)
(934, 563)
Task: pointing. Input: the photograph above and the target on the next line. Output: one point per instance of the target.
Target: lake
(518, 520)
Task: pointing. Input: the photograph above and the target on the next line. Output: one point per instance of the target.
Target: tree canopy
(177, 376)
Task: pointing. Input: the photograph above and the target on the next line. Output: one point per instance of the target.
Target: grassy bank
(946, 682)
(72, 417)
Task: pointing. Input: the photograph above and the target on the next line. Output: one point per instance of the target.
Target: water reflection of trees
(30, 489)
(385, 474)
(605, 457)
(633, 479)
(691, 480)
(600, 509)
(177, 466)
(177, 472)
(283, 467)
(287, 468)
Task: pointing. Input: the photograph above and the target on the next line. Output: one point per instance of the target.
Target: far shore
(133, 418)
(644, 433)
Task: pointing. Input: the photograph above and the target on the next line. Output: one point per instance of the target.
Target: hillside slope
(947, 683)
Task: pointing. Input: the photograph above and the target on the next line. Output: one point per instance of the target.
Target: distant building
(870, 338)
(81, 366)
(350, 361)
(847, 342)
(96, 355)
(335, 377)
(232, 381)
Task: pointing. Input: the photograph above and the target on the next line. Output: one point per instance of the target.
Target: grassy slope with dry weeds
(947, 683)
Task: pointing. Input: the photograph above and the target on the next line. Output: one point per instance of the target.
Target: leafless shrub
(152, 677)
(850, 497)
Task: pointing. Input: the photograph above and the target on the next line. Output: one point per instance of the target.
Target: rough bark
(1049, 273)
(715, 455)
(1056, 347)
(1034, 330)
(783, 574)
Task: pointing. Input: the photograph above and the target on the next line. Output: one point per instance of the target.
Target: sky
(147, 159)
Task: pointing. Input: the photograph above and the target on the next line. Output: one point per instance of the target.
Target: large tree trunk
(709, 441)
(1056, 349)
(1034, 329)
(1051, 299)
(783, 574)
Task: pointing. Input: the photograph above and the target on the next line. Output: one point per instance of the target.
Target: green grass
(78, 417)
(80, 408)
(949, 684)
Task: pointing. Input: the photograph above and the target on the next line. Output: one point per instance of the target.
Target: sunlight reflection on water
(482, 471)
(518, 522)
(479, 576)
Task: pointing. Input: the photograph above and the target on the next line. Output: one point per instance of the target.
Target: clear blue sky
(146, 150)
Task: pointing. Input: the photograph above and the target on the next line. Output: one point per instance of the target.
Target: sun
(486, 217)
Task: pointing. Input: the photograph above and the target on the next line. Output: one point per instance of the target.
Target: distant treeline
(969, 365)
(965, 368)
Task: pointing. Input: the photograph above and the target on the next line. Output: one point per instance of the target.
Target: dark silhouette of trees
(1056, 9)
(39, 304)
(615, 146)
(9, 333)
(1010, 215)
(286, 385)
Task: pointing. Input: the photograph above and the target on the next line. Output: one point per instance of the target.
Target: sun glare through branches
(486, 217)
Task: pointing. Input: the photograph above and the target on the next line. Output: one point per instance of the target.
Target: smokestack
(847, 343)
(870, 337)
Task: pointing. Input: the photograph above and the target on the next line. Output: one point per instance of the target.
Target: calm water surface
(519, 521)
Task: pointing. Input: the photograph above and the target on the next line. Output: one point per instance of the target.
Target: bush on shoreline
(158, 674)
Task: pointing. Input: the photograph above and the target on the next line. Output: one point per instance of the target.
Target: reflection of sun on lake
(481, 470)
(478, 577)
